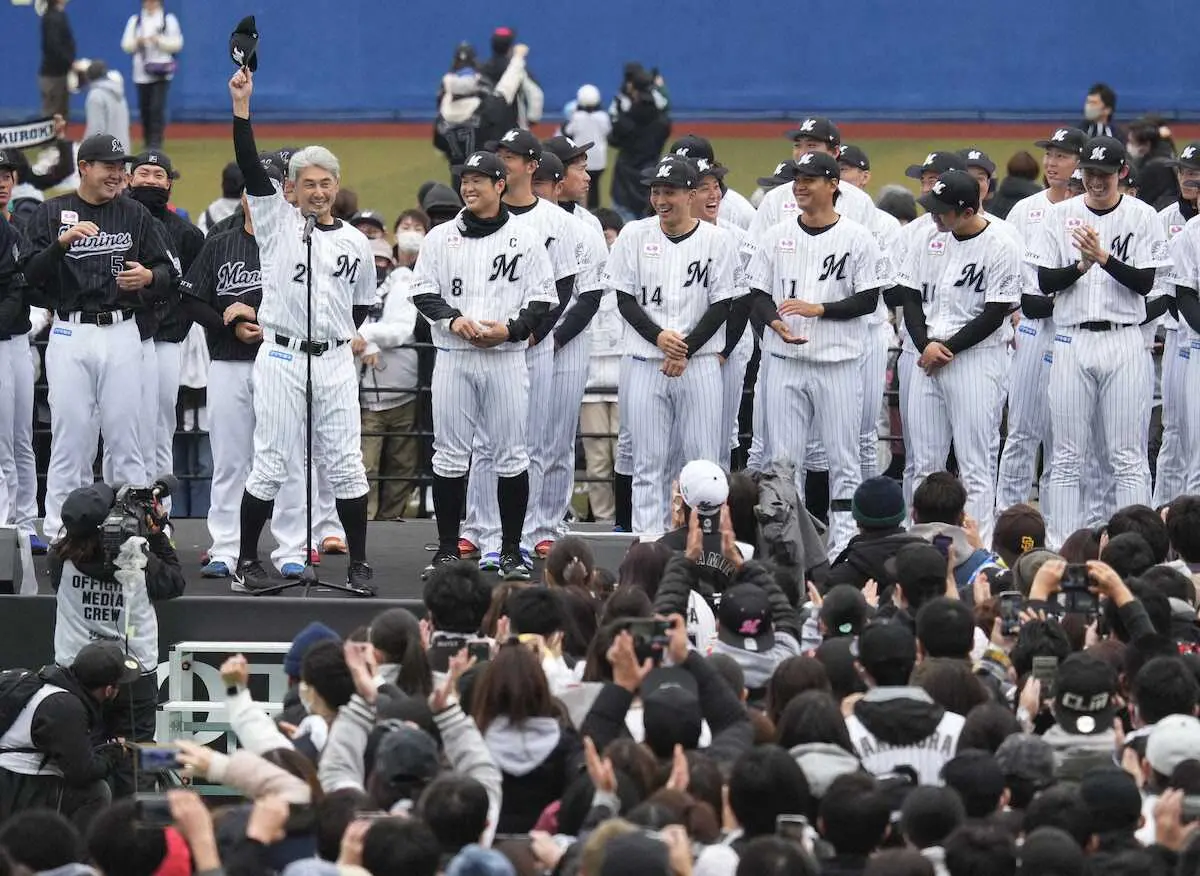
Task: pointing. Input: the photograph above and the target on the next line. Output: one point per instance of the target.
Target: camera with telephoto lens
(135, 512)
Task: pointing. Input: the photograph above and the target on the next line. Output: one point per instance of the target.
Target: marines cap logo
(1060, 135)
(780, 168)
(1099, 153)
(939, 187)
(664, 171)
(703, 165)
(473, 161)
(806, 158)
(683, 150)
(1188, 152)
(808, 125)
(930, 158)
(510, 136)
(974, 155)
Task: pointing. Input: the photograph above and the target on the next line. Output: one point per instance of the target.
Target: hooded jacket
(1011, 190)
(894, 727)
(864, 557)
(1075, 754)
(106, 108)
(538, 758)
(966, 557)
(822, 762)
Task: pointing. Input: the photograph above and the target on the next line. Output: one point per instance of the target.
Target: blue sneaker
(527, 560)
(292, 571)
(490, 562)
(215, 569)
(618, 528)
(37, 546)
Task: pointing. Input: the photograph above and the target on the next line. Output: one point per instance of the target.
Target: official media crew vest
(90, 609)
(17, 752)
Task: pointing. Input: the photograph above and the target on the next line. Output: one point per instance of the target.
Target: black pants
(131, 716)
(593, 200)
(19, 792)
(152, 104)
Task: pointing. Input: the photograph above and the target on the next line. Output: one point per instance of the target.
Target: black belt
(1104, 325)
(105, 317)
(311, 348)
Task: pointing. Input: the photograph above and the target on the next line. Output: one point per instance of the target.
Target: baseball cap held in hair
(1085, 695)
(878, 503)
(744, 616)
(703, 486)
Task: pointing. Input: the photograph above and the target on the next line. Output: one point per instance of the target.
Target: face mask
(308, 698)
(381, 274)
(152, 198)
(1092, 113)
(409, 241)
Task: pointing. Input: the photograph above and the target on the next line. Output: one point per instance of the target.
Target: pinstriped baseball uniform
(1185, 254)
(1099, 371)
(780, 204)
(556, 421)
(675, 281)
(880, 338)
(563, 241)
(342, 278)
(482, 392)
(961, 400)
(733, 372)
(816, 388)
(736, 210)
(1171, 473)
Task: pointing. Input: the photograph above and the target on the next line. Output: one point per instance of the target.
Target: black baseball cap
(99, 664)
(406, 753)
(936, 162)
(693, 147)
(844, 611)
(549, 169)
(485, 163)
(1105, 154)
(785, 172)
(1066, 139)
(84, 509)
(853, 156)
(954, 191)
(883, 644)
(820, 165)
(1189, 157)
(518, 141)
(816, 128)
(565, 148)
(10, 160)
(243, 44)
(978, 158)
(916, 563)
(368, 217)
(1085, 695)
(155, 158)
(673, 171)
(102, 147)
(744, 619)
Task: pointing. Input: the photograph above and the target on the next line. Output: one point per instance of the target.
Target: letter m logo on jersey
(972, 275)
(1120, 247)
(502, 267)
(697, 274)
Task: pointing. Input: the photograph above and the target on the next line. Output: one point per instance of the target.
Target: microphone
(310, 222)
(164, 486)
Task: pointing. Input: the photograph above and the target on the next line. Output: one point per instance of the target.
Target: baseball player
(1171, 473)
(151, 176)
(576, 182)
(674, 277)
(1097, 257)
(815, 281)
(520, 151)
(572, 348)
(1028, 400)
(735, 209)
(1185, 253)
(485, 282)
(97, 259)
(343, 289)
(226, 282)
(962, 279)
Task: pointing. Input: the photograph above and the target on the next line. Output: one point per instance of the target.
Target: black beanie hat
(878, 503)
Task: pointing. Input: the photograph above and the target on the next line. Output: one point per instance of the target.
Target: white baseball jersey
(792, 262)
(674, 280)
(956, 278)
(1131, 232)
(343, 271)
(735, 209)
(1173, 222)
(1185, 259)
(885, 228)
(586, 216)
(486, 278)
(1028, 217)
(562, 238)
(780, 204)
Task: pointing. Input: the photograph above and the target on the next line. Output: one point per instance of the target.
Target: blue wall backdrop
(381, 59)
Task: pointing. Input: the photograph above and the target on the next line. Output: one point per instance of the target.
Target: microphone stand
(308, 578)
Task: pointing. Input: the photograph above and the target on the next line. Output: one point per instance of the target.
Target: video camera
(135, 512)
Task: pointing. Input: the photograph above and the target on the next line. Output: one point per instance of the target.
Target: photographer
(94, 603)
(641, 128)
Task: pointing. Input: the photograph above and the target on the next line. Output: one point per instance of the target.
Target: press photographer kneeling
(111, 565)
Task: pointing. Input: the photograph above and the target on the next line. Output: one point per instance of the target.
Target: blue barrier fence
(374, 59)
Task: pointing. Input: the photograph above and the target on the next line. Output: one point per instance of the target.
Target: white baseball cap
(1173, 740)
(703, 486)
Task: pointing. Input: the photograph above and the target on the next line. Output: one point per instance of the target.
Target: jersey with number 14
(792, 262)
(675, 280)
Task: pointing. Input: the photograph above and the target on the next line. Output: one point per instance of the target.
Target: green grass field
(387, 172)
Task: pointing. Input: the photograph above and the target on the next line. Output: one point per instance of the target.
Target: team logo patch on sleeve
(68, 217)
(1074, 222)
(937, 246)
(1174, 229)
(787, 244)
(652, 250)
(1036, 215)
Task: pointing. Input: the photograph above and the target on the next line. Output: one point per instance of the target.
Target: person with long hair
(396, 637)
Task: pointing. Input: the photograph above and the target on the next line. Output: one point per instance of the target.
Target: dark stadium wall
(937, 59)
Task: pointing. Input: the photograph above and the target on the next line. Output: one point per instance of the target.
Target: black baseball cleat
(250, 577)
(512, 567)
(359, 578)
(439, 559)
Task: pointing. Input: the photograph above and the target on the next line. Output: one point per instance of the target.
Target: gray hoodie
(823, 762)
(759, 667)
(107, 110)
(519, 749)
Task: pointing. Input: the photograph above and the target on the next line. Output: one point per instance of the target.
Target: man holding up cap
(961, 279)
(672, 274)
(1097, 259)
(1028, 401)
(54, 755)
(815, 279)
(96, 259)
